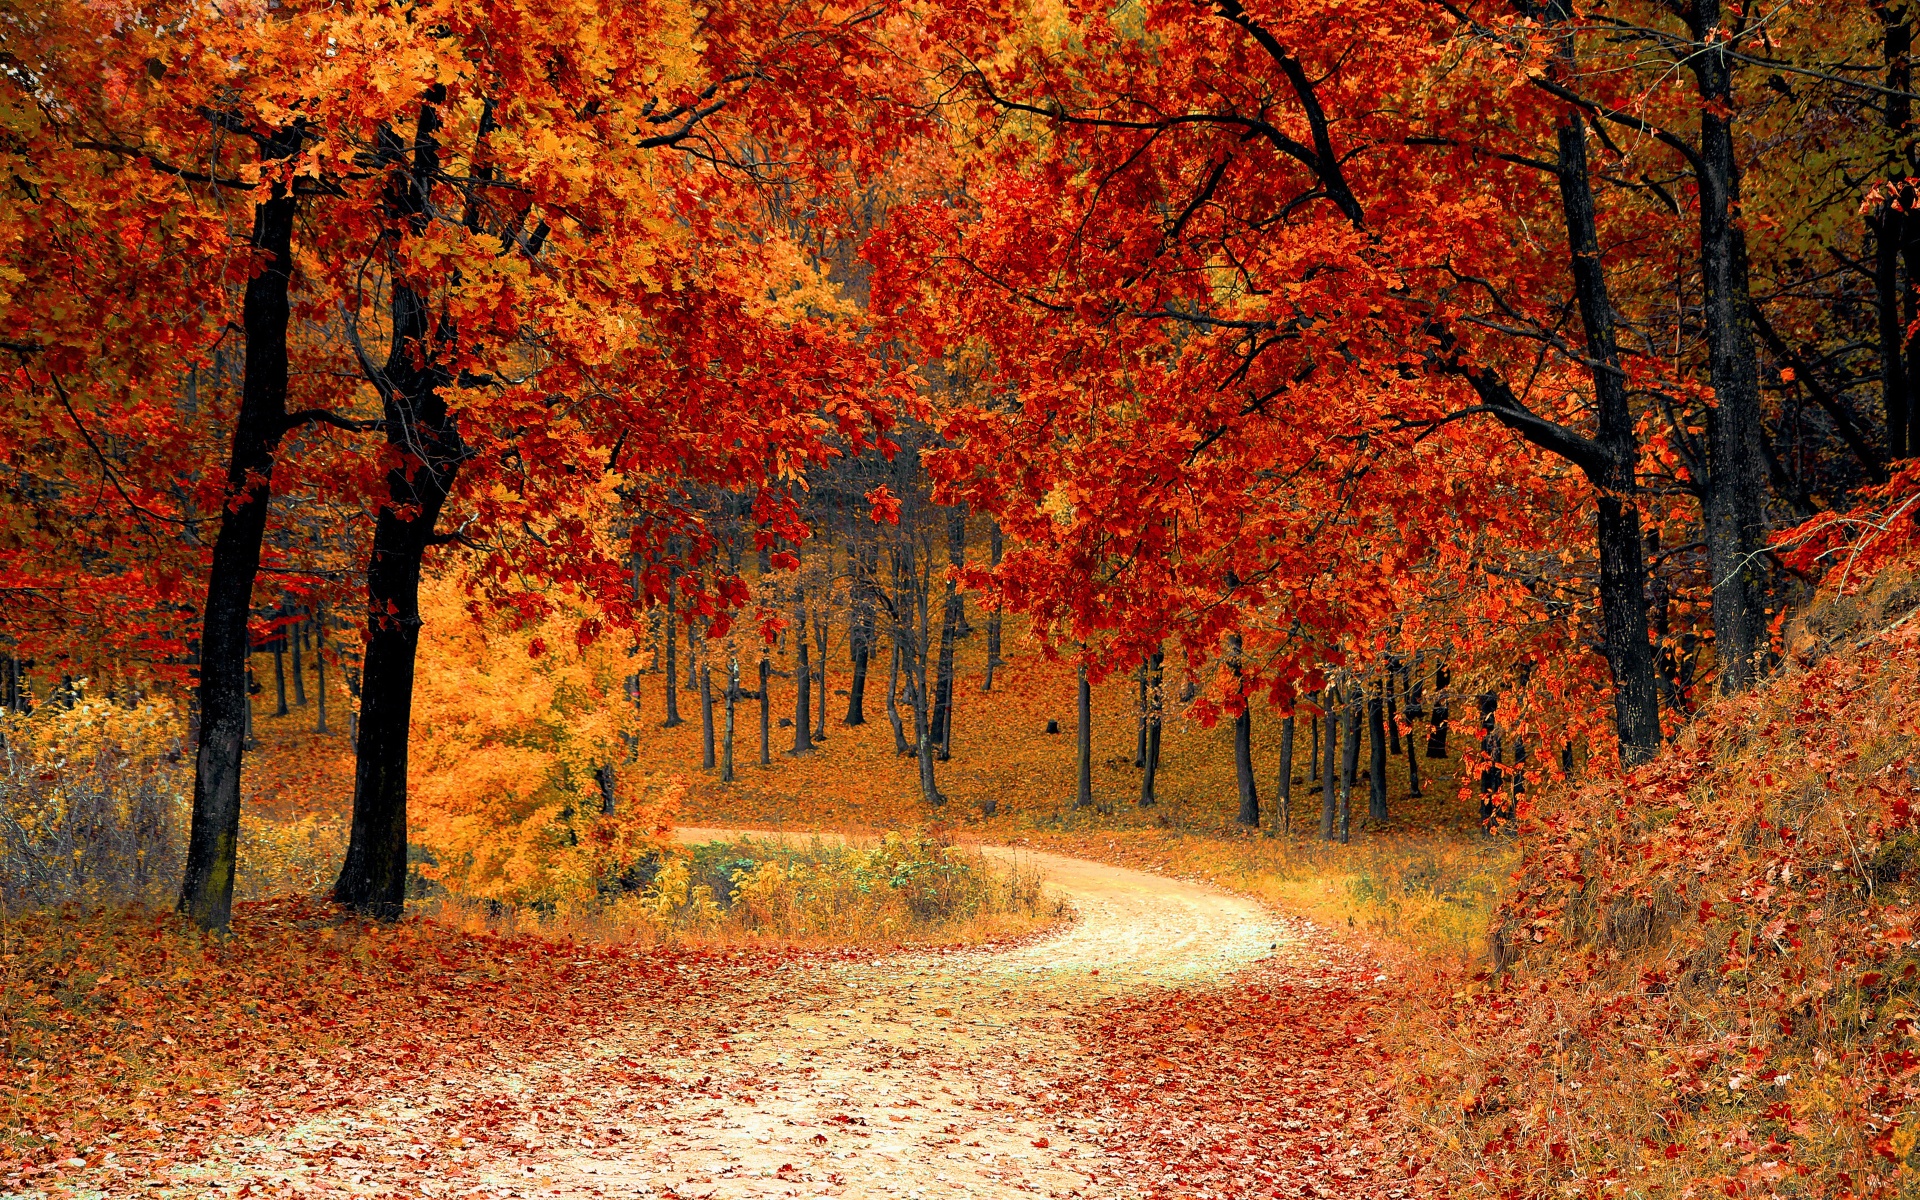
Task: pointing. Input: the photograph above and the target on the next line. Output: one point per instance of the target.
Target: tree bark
(802, 678)
(900, 746)
(673, 665)
(1083, 740)
(1140, 740)
(280, 673)
(320, 669)
(1736, 478)
(1329, 770)
(1376, 757)
(1349, 761)
(299, 667)
(860, 626)
(949, 633)
(994, 546)
(732, 700)
(206, 890)
(423, 433)
(1437, 726)
(706, 716)
(1155, 699)
(766, 711)
(1284, 793)
(1244, 784)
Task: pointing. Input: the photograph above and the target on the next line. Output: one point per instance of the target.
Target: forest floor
(1175, 1040)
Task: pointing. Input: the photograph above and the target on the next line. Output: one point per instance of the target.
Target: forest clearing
(1179, 599)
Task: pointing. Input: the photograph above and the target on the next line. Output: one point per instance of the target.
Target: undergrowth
(1706, 978)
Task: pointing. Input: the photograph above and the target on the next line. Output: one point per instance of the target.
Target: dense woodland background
(1447, 468)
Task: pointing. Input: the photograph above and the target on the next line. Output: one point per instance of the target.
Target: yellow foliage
(512, 729)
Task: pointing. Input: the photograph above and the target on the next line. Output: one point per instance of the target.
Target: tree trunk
(1413, 760)
(673, 665)
(994, 546)
(1888, 224)
(1155, 707)
(206, 890)
(706, 716)
(605, 777)
(1376, 757)
(1437, 728)
(299, 667)
(802, 678)
(1083, 740)
(733, 699)
(280, 673)
(1243, 748)
(1329, 765)
(949, 633)
(860, 627)
(1140, 741)
(1490, 775)
(900, 746)
(1349, 760)
(766, 711)
(320, 669)
(1393, 712)
(1284, 797)
(1736, 480)
(820, 631)
(423, 433)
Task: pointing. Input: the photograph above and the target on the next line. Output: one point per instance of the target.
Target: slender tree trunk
(320, 669)
(280, 673)
(1155, 707)
(609, 787)
(1376, 757)
(1083, 740)
(673, 664)
(1889, 235)
(732, 699)
(900, 746)
(706, 715)
(1349, 761)
(802, 678)
(299, 667)
(206, 890)
(1736, 479)
(1329, 769)
(1140, 741)
(766, 711)
(1490, 775)
(1393, 713)
(1413, 760)
(950, 616)
(820, 630)
(1243, 754)
(994, 546)
(1437, 728)
(1313, 754)
(1285, 788)
(864, 560)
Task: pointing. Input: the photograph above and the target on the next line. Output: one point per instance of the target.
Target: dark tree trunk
(993, 618)
(320, 670)
(1490, 775)
(732, 701)
(1888, 224)
(206, 891)
(1140, 741)
(1437, 728)
(860, 627)
(1083, 740)
(1393, 714)
(1349, 761)
(1376, 758)
(820, 630)
(673, 665)
(766, 711)
(900, 745)
(1329, 769)
(422, 429)
(1284, 794)
(1243, 748)
(802, 679)
(280, 673)
(949, 633)
(1413, 759)
(299, 666)
(1736, 479)
(608, 781)
(706, 716)
(1155, 704)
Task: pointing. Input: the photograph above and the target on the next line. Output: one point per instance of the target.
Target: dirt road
(918, 1075)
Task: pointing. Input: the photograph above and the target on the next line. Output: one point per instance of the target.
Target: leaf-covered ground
(1176, 1041)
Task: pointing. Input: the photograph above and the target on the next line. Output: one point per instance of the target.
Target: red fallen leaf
(818, 1139)
(1041, 1143)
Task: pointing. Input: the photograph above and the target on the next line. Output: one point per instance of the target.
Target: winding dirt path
(917, 1075)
